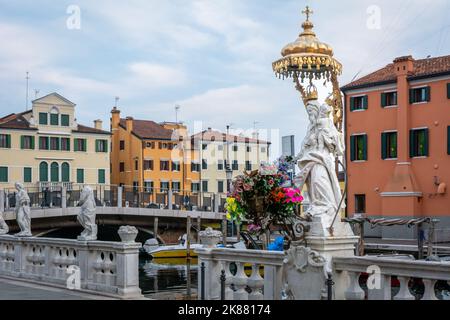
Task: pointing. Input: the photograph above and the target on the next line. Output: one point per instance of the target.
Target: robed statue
(86, 217)
(22, 211)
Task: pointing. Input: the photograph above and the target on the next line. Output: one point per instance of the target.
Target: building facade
(216, 148)
(46, 146)
(152, 157)
(398, 137)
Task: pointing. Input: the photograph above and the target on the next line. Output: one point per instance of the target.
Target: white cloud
(156, 75)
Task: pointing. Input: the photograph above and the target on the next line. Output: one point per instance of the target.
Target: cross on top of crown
(307, 12)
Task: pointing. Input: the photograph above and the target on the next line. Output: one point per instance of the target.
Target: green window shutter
(448, 140)
(427, 142)
(75, 145)
(65, 120)
(366, 102)
(365, 147)
(84, 144)
(43, 118)
(384, 150)
(27, 175)
(32, 143)
(97, 145)
(54, 172)
(412, 144)
(352, 104)
(411, 96)
(428, 94)
(106, 146)
(383, 100)
(101, 176)
(3, 174)
(448, 90)
(43, 172)
(80, 175)
(65, 172)
(8, 141)
(22, 142)
(352, 148)
(54, 119)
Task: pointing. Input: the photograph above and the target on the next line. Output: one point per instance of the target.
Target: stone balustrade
(105, 268)
(403, 269)
(262, 286)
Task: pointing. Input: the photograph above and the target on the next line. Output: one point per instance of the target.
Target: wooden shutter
(75, 145)
(448, 90)
(412, 144)
(352, 148)
(352, 104)
(366, 102)
(22, 142)
(428, 94)
(411, 96)
(365, 147)
(97, 145)
(383, 100)
(27, 175)
(80, 176)
(427, 142)
(384, 150)
(8, 141)
(101, 176)
(3, 174)
(32, 143)
(448, 140)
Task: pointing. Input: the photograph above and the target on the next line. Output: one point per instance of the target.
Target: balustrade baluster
(354, 291)
(256, 284)
(404, 293)
(429, 293)
(229, 293)
(240, 282)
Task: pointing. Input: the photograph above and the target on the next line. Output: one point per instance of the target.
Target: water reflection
(166, 279)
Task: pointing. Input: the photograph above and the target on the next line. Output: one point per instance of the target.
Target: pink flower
(293, 195)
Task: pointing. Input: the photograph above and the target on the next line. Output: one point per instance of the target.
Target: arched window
(65, 172)
(43, 172)
(54, 116)
(54, 172)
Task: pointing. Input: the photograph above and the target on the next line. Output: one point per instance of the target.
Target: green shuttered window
(419, 143)
(80, 145)
(5, 141)
(389, 145)
(80, 175)
(44, 143)
(448, 140)
(101, 145)
(65, 120)
(358, 147)
(448, 90)
(65, 172)
(101, 176)
(418, 95)
(359, 103)
(3, 174)
(54, 172)
(43, 172)
(54, 119)
(27, 142)
(43, 118)
(27, 175)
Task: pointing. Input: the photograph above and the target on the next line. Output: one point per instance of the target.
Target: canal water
(164, 279)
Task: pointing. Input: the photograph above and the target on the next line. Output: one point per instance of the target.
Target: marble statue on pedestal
(3, 226)
(322, 144)
(23, 212)
(86, 217)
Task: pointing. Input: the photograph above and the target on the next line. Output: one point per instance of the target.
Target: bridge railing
(416, 280)
(108, 268)
(249, 274)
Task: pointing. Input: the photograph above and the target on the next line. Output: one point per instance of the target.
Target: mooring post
(202, 278)
(199, 228)
(119, 196)
(223, 278)
(330, 283)
(155, 227)
(420, 240)
(188, 255)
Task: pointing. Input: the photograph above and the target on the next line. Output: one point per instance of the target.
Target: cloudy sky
(211, 57)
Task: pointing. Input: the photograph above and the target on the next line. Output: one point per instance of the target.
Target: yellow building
(46, 146)
(153, 158)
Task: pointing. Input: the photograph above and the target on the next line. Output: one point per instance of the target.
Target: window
(388, 99)
(27, 143)
(220, 165)
(101, 176)
(43, 118)
(205, 186)
(122, 167)
(5, 141)
(54, 172)
(164, 166)
(448, 140)
(148, 165)
(204, 146)
(358, 147)
(418, 95)
(195, 167)
(122, 145)
(220, 147)
(263, 149)
(235, 165)
(360, 203)
(136, 165)
(448, 90)
(65, 120)
(148, 186)
(65, 144)
(176, 166)
(249, 149)
(359, 103)
(80, 175)
(195, 187)
(3, 174)
(79, 145)
(135, 186)
(220, 186)
(150, 145)
(54, 119)
(204, 164)
(418, 143)
(389, 145)
(235, 148)
(101, 146)
(54, 143)
(27, 175)
(248, 166)
(44, 143)
(164, 186)
(65, 172)
(43, 172)
(176, 186)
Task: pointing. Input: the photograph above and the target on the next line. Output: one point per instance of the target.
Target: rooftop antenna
(255, 123)
(26, 101)
(116, 101)
(36, 92)
(177, 109)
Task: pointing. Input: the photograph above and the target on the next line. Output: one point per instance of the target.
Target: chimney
(98, 124)
(115, 118)
(129, 122)
(404, 65)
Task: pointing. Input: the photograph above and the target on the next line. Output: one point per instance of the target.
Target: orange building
(398, 137)
(153, 158)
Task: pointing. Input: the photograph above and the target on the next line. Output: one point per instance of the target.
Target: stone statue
(86, 217)
(322, 144)
(3, 226)
(23, 212)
